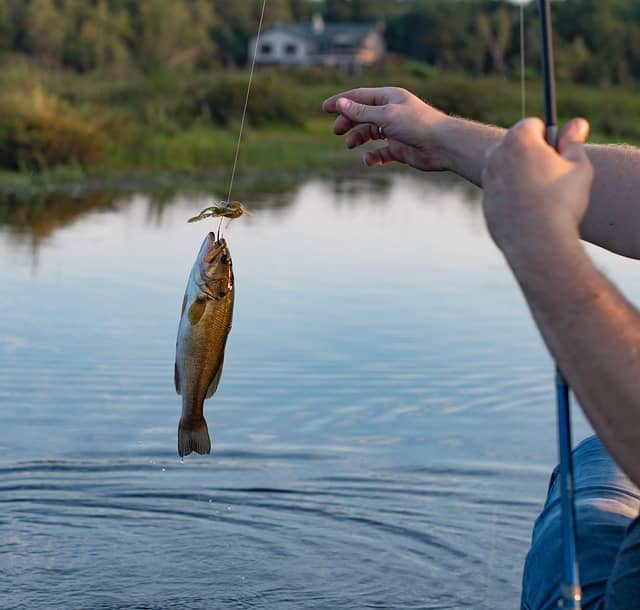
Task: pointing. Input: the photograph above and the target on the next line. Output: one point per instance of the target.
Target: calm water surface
(382, 434)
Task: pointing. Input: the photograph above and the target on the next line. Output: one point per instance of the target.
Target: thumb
(572, 139)
(360, 113)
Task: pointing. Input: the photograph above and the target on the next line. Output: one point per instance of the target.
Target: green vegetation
(119, 87)
(81, 125)
(597, 41)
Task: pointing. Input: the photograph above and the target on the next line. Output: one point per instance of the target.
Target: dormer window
(266, 48)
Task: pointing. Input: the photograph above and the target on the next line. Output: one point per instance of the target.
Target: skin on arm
(534, 202)
(613, 218)
(427, 139)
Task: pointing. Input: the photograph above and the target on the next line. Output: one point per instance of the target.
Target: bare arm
(613, 217)
(423, 137)
(612, 220)
(534, 202)
(593, 333)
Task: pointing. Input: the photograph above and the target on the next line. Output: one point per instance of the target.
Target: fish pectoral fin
(176, 377)
(213, 386)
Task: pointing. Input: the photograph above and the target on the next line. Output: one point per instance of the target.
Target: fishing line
(244, 110)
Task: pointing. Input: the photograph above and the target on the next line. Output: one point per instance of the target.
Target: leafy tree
(103, 37)
(596, 40)
(45, 31)
(6, 27)
(495, 31)
(275, 11)
(175, 32)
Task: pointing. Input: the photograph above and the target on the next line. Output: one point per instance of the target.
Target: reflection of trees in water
(348, 191)
(33, 220)
(38, 217)
(257, 192)
(447, 181)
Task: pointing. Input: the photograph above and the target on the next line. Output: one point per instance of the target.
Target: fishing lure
(224, 209)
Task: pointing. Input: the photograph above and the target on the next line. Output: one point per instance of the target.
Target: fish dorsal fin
(213, 386)
(176, 377)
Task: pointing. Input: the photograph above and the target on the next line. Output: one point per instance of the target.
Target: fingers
(365, 105)
(342, 125)
(380, 156)
(525, 133)
(519, 141)
(362, 134)
(361, 113)
(372, 96)
(572, 139)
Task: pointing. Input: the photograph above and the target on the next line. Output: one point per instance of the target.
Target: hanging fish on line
(205, 322)
(226, 209)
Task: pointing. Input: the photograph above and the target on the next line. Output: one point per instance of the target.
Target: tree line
(597, 41)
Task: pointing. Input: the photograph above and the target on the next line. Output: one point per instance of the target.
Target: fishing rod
(571, 593)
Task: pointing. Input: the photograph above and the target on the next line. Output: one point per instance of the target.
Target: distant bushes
(614, 112)
(40, 131)
(189, 121)
(220, 101)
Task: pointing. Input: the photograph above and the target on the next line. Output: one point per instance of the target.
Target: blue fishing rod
(571, 593)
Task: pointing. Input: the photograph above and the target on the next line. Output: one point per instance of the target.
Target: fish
(227, 209)
(205, 323)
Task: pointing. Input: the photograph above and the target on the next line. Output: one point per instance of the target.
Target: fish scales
(205, 322)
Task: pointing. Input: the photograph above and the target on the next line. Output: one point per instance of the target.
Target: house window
(266, 48)
(291, 49)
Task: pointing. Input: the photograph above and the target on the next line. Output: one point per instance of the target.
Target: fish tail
(193, 435)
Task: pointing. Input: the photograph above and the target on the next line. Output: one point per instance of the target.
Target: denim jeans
(608, 537)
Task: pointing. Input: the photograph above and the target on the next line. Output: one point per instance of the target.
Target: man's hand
(533, 194)
(412, 128)
(427, 139)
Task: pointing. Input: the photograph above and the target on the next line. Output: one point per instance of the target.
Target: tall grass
(38, 131)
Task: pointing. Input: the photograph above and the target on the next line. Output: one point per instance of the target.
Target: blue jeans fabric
(608, 537)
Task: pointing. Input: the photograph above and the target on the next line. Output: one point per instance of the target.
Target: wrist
(543, 253)
(462, 145)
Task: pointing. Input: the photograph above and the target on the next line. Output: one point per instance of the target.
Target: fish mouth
(217, 250)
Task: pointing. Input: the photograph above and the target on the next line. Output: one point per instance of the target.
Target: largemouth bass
(204, 326)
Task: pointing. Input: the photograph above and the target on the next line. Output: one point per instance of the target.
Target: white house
(346, 45)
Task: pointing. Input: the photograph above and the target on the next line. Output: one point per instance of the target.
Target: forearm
(464, 144)
(613, 218)
(593, 332)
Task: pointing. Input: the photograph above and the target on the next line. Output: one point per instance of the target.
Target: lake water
(383, 431)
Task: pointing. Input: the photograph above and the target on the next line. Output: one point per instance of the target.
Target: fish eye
(225, 259)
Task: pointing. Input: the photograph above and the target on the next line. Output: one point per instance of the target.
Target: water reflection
(36, 217)
(41, 216)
